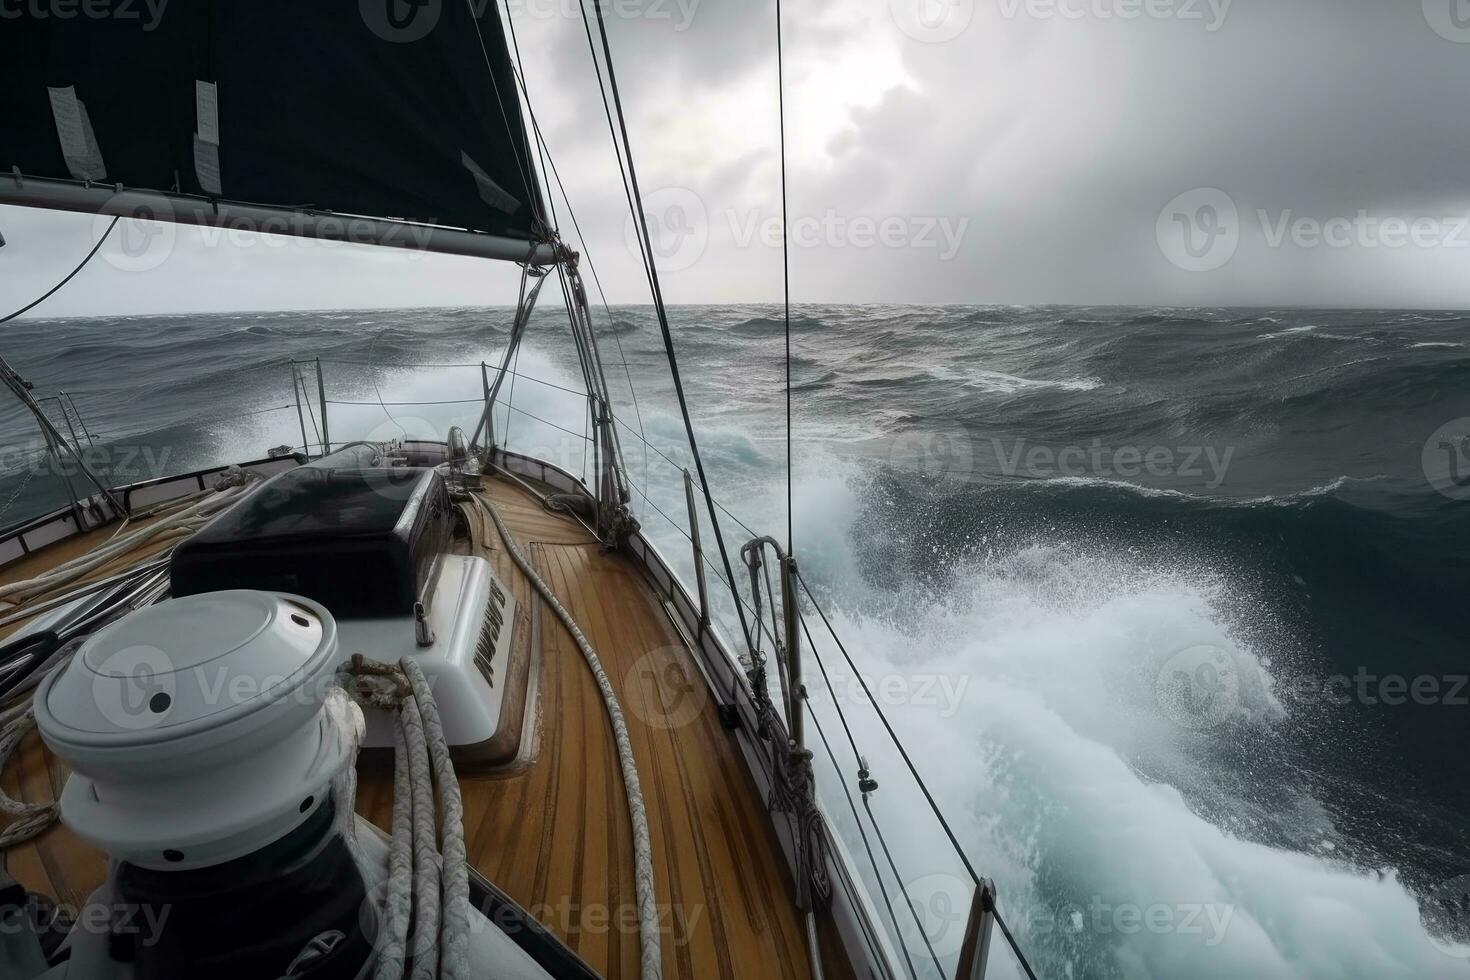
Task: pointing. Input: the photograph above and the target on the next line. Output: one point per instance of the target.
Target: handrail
(788, 644)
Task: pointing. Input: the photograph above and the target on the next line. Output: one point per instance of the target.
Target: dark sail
(400, 109)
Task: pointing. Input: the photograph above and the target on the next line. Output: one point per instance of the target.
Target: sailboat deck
(551, 829)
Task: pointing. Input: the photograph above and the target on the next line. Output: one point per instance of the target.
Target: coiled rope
(648, 928)
(429, 887)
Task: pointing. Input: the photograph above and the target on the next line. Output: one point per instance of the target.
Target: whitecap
(996, 381)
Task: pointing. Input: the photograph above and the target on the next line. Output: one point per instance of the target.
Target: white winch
(197, 729)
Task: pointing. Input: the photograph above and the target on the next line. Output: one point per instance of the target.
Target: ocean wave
(1057, 599)
(1170, 319)
(770, 326)
(1311, 330)
(996, 381)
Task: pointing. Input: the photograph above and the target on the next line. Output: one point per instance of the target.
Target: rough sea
(1171, 607)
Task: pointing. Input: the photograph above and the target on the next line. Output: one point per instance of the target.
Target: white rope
(429, 887)
(17, 720)
(31, 819)
(454, 935)
(648, 918)
(398, 900)
(425, 950)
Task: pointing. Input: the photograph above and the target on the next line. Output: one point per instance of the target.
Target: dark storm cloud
(950, 151)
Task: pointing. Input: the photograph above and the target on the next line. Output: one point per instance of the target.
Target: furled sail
(390, 109)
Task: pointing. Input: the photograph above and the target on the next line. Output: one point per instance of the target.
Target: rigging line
(761, 626)
(858, 757)
(549, 164)
(664, 456)
(913, 770)
(663, 317)
(518, 72)
(528, 377)
(867, 846)
(584, 357)
(57, 288)
(448, 401)
(586, 437)
(400, 364)
(597, 280)
(841, 715)
(521, 166)
(903, 889)
(510, 403)
(785, 268)
(537, 418)
(374, 379)
(306, 400)
(1015, 947)
(612, 131)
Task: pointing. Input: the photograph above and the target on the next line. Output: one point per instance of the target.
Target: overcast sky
(1152, 152)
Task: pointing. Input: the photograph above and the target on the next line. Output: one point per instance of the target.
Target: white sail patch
(490, 192)
(74, 129)
(206, 137)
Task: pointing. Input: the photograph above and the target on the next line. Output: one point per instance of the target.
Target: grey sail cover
(402, 109)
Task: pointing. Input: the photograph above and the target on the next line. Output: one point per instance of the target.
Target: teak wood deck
(551, 828)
